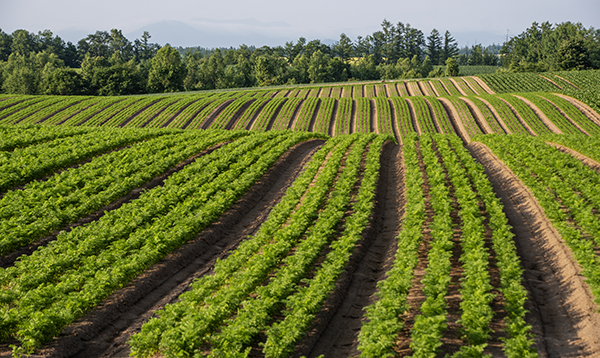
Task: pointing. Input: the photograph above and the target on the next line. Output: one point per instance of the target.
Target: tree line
(107, 63)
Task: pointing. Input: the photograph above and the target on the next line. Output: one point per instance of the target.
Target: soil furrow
(336, 329)
(105, 331)
(9, 259)
(562, 311)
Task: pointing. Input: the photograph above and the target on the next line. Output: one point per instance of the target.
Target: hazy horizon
(267, 22)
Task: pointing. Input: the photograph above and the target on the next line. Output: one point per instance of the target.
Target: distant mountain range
(212, 33)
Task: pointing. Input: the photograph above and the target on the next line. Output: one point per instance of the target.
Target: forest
(107, 63)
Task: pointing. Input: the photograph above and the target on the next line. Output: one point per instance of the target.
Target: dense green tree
(573, 55)
(543, 47)
(265, 70)
(365, 69)
(426, 67)
(434, 47)
(343, 48)
(143, 49)
(450, 47)
(318, 68)
(23, 42)
(167, 72)
(5, 45)
(452, 67)
(63, 81)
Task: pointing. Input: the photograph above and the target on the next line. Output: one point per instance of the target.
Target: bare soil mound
(563, 314)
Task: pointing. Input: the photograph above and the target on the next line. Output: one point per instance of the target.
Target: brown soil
(236, 116)
(332, 120)
(313, 117)
(455, 119)
(105, 331)
(413, 116)
(126, 121)
(584, 108)
(549, 80)
(478, 116)
(214, 114)
(564, 114)
(543, 118)
(521, 120)
(274, 116)
(497, 115)
(435, 92)
(147, 122)
(373, 123)
(458, 87)
(416, 297)
(563, 314)
(336, 328)
(58, 111)
(436, 124)
(483, 84)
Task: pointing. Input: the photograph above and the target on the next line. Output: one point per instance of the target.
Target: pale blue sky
(227, 22)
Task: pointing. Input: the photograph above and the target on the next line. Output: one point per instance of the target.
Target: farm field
(466, 106)
(318, 224)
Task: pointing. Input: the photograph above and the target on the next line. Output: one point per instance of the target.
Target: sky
(225, 23)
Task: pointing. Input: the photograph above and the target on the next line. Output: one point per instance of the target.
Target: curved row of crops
(536, 113)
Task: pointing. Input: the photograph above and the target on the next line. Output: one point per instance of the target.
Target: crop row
(27, 111)
(215, 297)
(288, 110)
(13, 137)
(527, 114)
(34, 162)
(552, 113)
(506, 114)
(379, 333)
(440, 116)
(61, 116)
(343, 118)
(565, 188)
(267, 114)
(423, 115)
(363, 115)
(384, 116)
(488, 116)
(55, 285)
(517, 82)
(324, 116)
(65, 105)
(306, 114)
(43, 207)
(403, 116)
(167, 114)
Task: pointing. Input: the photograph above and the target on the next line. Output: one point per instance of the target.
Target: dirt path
(562, 312)
(105, 331)
(519, 118)
(337, 336)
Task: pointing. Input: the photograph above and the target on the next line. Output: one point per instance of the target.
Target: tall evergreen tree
(450, 47)
(434, 47)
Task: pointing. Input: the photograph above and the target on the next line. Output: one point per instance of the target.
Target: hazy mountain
(214, 33)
